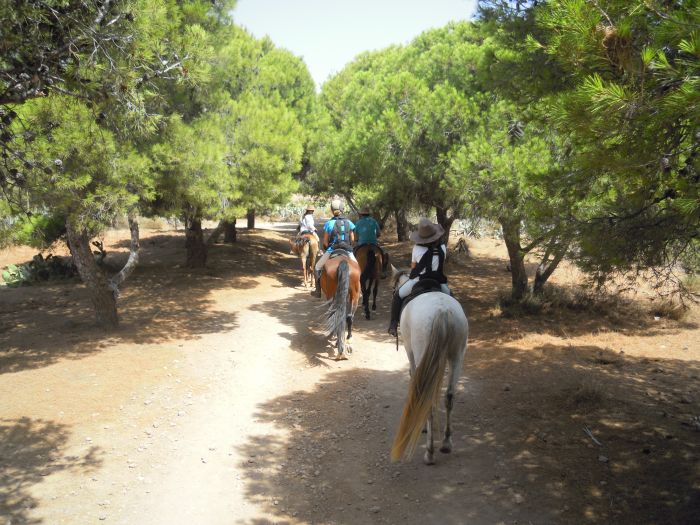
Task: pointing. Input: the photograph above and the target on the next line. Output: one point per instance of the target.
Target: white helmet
(336, 205)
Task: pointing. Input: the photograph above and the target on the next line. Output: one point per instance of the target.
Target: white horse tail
(424, 389)
(337, 312)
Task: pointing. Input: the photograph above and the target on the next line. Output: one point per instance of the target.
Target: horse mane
(399, 273)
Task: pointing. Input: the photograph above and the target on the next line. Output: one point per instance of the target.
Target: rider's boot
(395, 314)
(317, 280)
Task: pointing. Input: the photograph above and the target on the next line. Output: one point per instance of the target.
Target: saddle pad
(421, 287)
(338, 252)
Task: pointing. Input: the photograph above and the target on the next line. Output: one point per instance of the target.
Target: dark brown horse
(340, 284)
(372, 266)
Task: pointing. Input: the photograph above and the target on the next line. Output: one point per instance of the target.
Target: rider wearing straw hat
(306, 223)
(427, 262)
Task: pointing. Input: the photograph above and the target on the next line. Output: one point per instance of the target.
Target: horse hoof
(446, 448)
(374, 307)
(367, 316)
(428, 458)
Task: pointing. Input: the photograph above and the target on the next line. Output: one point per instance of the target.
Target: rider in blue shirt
(367, 228)
(368, 231)
(337, 233)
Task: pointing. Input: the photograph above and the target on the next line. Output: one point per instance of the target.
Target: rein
(396, 290)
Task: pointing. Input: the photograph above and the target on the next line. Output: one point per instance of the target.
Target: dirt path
(216, 403)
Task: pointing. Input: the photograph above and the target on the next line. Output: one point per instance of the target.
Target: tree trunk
(401, 225)
(351, 203)
(102, 296)
(546, 267)
(133, 259)
(250, 216)
(216, 233)
(230, 231)
(444, 221)
(194, 244)
(382, 218)
(511, 236)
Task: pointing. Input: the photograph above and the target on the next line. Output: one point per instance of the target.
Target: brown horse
(372, 265)
(306, 248)
(340, 284)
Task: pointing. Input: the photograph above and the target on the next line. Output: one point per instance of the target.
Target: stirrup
(316, 292)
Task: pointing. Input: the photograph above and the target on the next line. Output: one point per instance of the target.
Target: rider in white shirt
(306, 223)
(428, 239)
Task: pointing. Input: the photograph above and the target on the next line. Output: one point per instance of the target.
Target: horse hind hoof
(446, 448)
(428, 458)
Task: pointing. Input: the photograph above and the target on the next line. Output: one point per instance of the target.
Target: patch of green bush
(39, 231)
(38, 269)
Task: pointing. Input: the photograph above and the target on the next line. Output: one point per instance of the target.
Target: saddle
(339, 252)
(369, 245)
(421, 287)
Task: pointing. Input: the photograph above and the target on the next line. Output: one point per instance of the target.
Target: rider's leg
(407, 287)
(445, 289)
(317, 272)
(396, 301)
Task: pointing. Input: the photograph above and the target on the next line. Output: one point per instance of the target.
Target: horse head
(399, 276)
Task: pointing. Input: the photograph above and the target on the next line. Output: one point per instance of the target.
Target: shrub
(39, 269)
(39, 231)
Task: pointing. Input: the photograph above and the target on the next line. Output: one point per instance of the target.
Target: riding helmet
(336, 205)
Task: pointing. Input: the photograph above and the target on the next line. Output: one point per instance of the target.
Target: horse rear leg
(374, 294)
(366, 290)
(349, 338)
(455, 371)
(429, 456)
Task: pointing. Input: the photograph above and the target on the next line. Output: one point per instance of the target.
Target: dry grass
(669, 309)
(577, 299)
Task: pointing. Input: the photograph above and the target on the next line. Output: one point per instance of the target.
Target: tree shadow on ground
(29, 451)
(161, 301)
(521, 452)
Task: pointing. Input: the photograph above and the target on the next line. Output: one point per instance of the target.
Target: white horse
(434, 332)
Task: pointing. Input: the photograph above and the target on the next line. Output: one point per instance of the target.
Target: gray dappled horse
(434, 332)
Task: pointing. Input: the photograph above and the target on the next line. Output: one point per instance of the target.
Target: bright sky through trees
(330, 33)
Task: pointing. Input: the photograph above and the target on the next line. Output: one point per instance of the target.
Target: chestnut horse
(340, 284)
(372, 264)
(306, 248)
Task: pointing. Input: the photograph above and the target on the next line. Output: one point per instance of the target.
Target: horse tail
(337, 312)
(424, 389)
(368, 272)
